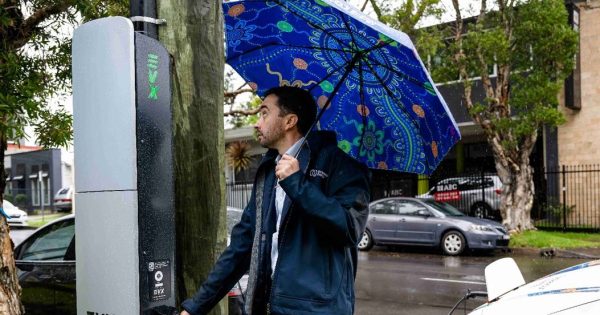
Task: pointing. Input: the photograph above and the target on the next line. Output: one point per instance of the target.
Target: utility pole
(144, 9)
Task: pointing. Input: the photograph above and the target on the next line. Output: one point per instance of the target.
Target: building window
(46, 188)
(8, 189)
(35, 192)
(40, 186)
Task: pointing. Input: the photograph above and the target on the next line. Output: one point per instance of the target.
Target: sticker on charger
(159, 280)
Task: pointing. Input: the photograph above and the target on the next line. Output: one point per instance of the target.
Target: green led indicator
(152, 76)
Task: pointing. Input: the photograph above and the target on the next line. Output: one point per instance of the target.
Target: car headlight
(476, 227)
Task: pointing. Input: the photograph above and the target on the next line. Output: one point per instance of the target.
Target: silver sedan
(411, 221)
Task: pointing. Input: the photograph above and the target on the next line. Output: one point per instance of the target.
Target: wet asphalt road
(420, 281)
(417, 281)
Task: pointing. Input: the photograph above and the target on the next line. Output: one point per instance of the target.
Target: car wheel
(481, 210)
(453, 243)
(366, 242)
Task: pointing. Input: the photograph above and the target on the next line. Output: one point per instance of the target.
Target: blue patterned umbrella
(367, 78)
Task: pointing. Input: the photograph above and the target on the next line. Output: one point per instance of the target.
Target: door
(416, 224)
(383, 220)
(46, 278)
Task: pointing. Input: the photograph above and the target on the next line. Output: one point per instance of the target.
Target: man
(298, 234)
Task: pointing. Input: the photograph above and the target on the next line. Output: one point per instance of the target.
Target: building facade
(34, 176)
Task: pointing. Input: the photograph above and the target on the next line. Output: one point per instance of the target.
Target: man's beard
(269, 142)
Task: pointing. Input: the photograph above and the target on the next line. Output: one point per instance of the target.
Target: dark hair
(294, 100)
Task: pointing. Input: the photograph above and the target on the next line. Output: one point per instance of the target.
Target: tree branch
(376, 9)
(485, 77)
(364, 6)
(248, 112)
(33, 21)
(237, 92)
(460, 57)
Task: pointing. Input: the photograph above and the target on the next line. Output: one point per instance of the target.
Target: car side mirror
(25, 266)
(423, 213)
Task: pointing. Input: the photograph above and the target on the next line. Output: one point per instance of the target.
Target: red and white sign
(444, 196)
(446, 192)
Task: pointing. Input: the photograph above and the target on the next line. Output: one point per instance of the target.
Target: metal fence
(568, 198)
(476, 194)
(238, 194)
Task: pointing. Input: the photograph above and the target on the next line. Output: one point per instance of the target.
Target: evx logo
(152, 76)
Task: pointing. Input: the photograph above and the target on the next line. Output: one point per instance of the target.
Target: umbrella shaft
(349, 69)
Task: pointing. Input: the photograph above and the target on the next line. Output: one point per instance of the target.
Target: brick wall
(579, 137)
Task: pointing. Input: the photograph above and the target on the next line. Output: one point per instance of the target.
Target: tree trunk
(518, 187)
(10, 290)
(517, 198)
(193, 36)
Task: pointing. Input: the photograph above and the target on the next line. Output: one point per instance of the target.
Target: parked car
(425, 222)
(17, 216)
(46, 270)
(478, 196)
(574, 290)
(237, 295)
(63, 200)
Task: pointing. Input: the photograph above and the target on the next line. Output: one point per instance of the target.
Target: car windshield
(444, 208)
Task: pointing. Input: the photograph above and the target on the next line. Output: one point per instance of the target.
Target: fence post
(564, 191)
(483, 187)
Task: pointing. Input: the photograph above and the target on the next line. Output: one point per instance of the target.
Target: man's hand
(287, 166)
(184, 312)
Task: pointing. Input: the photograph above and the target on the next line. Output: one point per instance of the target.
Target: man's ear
(291, 120)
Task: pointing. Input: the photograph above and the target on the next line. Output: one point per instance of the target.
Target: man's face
(270, 126)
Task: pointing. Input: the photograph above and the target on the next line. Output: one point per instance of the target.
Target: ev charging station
(125, 217)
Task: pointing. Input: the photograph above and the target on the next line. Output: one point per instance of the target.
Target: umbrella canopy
(378, 96)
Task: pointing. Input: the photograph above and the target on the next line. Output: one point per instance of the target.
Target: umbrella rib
(361, 80)
(379, 45)
(328, 102)
(404, 75)
(349, 69)
(329, 75)
(361, 93)
(341, 42)
(349, 31)
(389, 92)
(284, 45)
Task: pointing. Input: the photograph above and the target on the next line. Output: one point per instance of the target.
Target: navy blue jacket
(323, 219)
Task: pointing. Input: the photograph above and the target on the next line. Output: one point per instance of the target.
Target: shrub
(21, 199)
